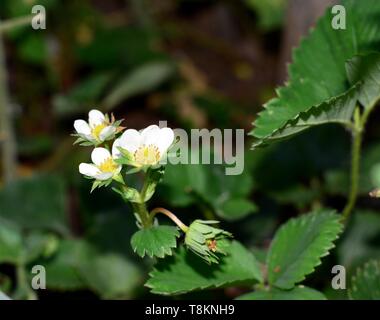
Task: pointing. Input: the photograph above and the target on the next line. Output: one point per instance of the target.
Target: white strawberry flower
(98, 129)
(103, 167)
(146, 147)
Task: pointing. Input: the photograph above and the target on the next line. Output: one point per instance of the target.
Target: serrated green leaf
(366, 282)
(317, 76)
(299, 245)
(297, 293)
(157, 241)
(336, 110)
(185, 272)
(366, 69)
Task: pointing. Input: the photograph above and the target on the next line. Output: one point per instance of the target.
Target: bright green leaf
(185, 272)
(157, 241)
(299, 245)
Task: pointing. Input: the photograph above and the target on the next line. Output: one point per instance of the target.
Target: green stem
(355, 173)
(171, 216)
(358, 129)
(141, 210)
(7, 138)
(14, 23)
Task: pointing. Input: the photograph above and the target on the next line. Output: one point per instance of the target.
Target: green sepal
(207, 241)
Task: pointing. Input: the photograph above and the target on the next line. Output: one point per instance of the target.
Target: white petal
(95, 117)
(99, 155)
(115, 151)
(82, 127)
(147, 129)
(106, 133)
(130, 140)
(165, 139)
(150, 135)
(88, 169)
(104, 176)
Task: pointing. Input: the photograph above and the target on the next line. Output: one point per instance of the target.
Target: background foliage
(197, 64)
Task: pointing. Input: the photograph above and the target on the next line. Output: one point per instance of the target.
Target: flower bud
(207, 241)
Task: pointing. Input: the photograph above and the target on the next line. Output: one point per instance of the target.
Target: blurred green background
(194, 63)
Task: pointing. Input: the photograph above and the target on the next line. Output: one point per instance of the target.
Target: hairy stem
(355, 173)
(171, 216)
(7, 138)
(142, 212)
(358, 129)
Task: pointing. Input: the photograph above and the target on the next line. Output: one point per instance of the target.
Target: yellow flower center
(108, 165)
(147, 155)
(98, 129)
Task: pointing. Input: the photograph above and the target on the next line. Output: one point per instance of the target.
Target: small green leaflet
(297, 293)
(365, 284)
(157, 241)
(299, 245)
(185, 272)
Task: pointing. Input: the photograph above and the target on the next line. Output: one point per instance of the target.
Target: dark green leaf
(365, 69)
(317, 76)
(141, 80)
(185, 272)
(111, 276)
(299, 245)
(37, 202)
(297, 293)
(366, 282)
(11, 245)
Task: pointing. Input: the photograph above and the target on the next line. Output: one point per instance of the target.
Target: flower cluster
(143, 151)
